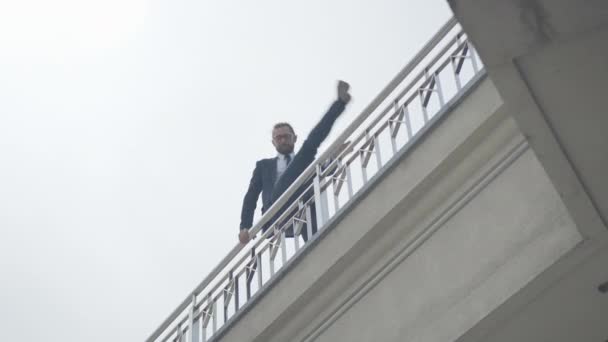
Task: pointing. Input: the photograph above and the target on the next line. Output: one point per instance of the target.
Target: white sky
(129, 130)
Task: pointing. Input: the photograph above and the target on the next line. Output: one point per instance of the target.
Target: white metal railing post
(192, 331)
(439, 90)
(337, 182)
(318, 200)
(378, 153)
(214, 318)
(394, 126)
(260, 276)
(206, 315)
(473, 57)
(309, 220)
(349, 182)
(422, 92)
(283, 248)
(180, 333)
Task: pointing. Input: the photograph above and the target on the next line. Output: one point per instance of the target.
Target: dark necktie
(287, 159)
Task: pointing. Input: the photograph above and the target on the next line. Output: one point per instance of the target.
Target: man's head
(283, 137)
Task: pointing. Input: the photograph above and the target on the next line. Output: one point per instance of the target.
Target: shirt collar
(282, 156)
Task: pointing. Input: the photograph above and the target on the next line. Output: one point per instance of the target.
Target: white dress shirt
(282, 163)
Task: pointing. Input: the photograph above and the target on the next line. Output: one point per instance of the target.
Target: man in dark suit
(273, 176)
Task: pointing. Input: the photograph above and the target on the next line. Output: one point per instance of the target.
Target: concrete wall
(549, 62)
(488, 248)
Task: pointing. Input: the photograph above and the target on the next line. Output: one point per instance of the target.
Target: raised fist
(343, 94)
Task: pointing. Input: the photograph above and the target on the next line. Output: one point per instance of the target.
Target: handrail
(310, 171)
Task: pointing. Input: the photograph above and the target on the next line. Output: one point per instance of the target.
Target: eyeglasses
(286, 136)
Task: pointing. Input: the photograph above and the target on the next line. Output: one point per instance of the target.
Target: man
(273, 176)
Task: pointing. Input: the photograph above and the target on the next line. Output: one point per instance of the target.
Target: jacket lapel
(273, 170)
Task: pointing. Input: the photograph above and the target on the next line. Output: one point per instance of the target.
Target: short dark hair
(284, 124)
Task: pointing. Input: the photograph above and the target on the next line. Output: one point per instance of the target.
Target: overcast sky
(129, 130)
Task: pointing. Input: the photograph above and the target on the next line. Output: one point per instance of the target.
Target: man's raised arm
(306, 155)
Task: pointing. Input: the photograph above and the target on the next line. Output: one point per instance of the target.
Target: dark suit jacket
(263, 179)
(264, 174)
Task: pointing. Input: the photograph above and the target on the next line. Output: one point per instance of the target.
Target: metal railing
(404, 109)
